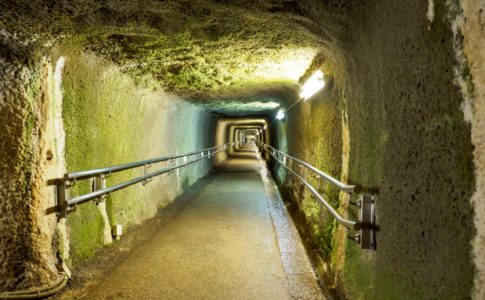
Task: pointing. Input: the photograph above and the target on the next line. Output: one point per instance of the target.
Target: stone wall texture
(402, 117)
(398, 89)
(473, 29)
(109, 120)
(26, 257)
(104, 119)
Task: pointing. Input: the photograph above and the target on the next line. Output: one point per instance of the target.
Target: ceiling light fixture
(315, 83)
(280, 115)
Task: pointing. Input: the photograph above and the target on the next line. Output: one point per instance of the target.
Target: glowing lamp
(280, 115)
(312, 85)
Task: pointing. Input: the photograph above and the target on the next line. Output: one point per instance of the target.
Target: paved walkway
(223, 245)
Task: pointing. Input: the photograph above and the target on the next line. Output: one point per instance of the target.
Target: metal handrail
(340, 185)
(113, 169)
(349, 189)
(366, 224)
(100, 174)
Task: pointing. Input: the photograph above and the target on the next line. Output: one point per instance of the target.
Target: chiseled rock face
(473, 47)
(394, 111)
(26, 257)
(400, 95)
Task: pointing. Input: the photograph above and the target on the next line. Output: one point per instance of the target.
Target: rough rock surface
(25, 259)
(409, 141)
(473, 29)
(397, 109)
(234, 51)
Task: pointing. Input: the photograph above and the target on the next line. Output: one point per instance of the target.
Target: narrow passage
(222, 245)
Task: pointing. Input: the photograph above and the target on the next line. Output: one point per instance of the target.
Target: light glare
(312, 85)
(280, 115)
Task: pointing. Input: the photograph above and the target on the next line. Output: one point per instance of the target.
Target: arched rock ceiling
(228, 55)
(207, 51)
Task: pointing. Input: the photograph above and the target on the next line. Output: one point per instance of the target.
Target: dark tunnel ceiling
(233, 59)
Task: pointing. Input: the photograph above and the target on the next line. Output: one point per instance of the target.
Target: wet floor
(234, 240)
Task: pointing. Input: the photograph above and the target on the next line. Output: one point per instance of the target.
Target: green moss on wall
(86, 228)
(108, 121)
(313, 133)
(96, 127)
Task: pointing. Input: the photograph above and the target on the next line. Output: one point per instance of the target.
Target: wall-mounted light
(315, 83)
(280, 115)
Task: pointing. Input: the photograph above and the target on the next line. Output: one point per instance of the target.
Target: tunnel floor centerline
(223, 245)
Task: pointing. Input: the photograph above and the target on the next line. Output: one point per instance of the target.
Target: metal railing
(366, 203)
(100, 191)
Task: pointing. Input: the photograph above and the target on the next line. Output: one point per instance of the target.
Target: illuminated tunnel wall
(402, 118)
(227, 131)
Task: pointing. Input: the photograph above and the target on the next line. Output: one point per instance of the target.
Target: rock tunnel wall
(397, 120)
(319, 122)
(72, 111)
(471, 24)
(110, 120)
(401, 117)
(26, 257)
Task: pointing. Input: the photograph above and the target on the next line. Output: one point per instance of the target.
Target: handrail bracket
(367, 222)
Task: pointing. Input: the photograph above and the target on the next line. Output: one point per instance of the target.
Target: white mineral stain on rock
(430, 13)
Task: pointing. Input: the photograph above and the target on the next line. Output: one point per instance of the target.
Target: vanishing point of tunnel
(242, 149)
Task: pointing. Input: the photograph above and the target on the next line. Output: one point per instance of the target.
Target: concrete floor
(234, 240)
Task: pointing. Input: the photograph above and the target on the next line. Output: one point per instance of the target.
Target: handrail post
(63, 197)
(170, 165)
(99, 184)
(322, 184)
(292, 168)
(145, 173)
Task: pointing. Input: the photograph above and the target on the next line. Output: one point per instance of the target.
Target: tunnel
(242, 149)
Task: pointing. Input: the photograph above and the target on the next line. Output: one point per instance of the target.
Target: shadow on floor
(242, 159)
